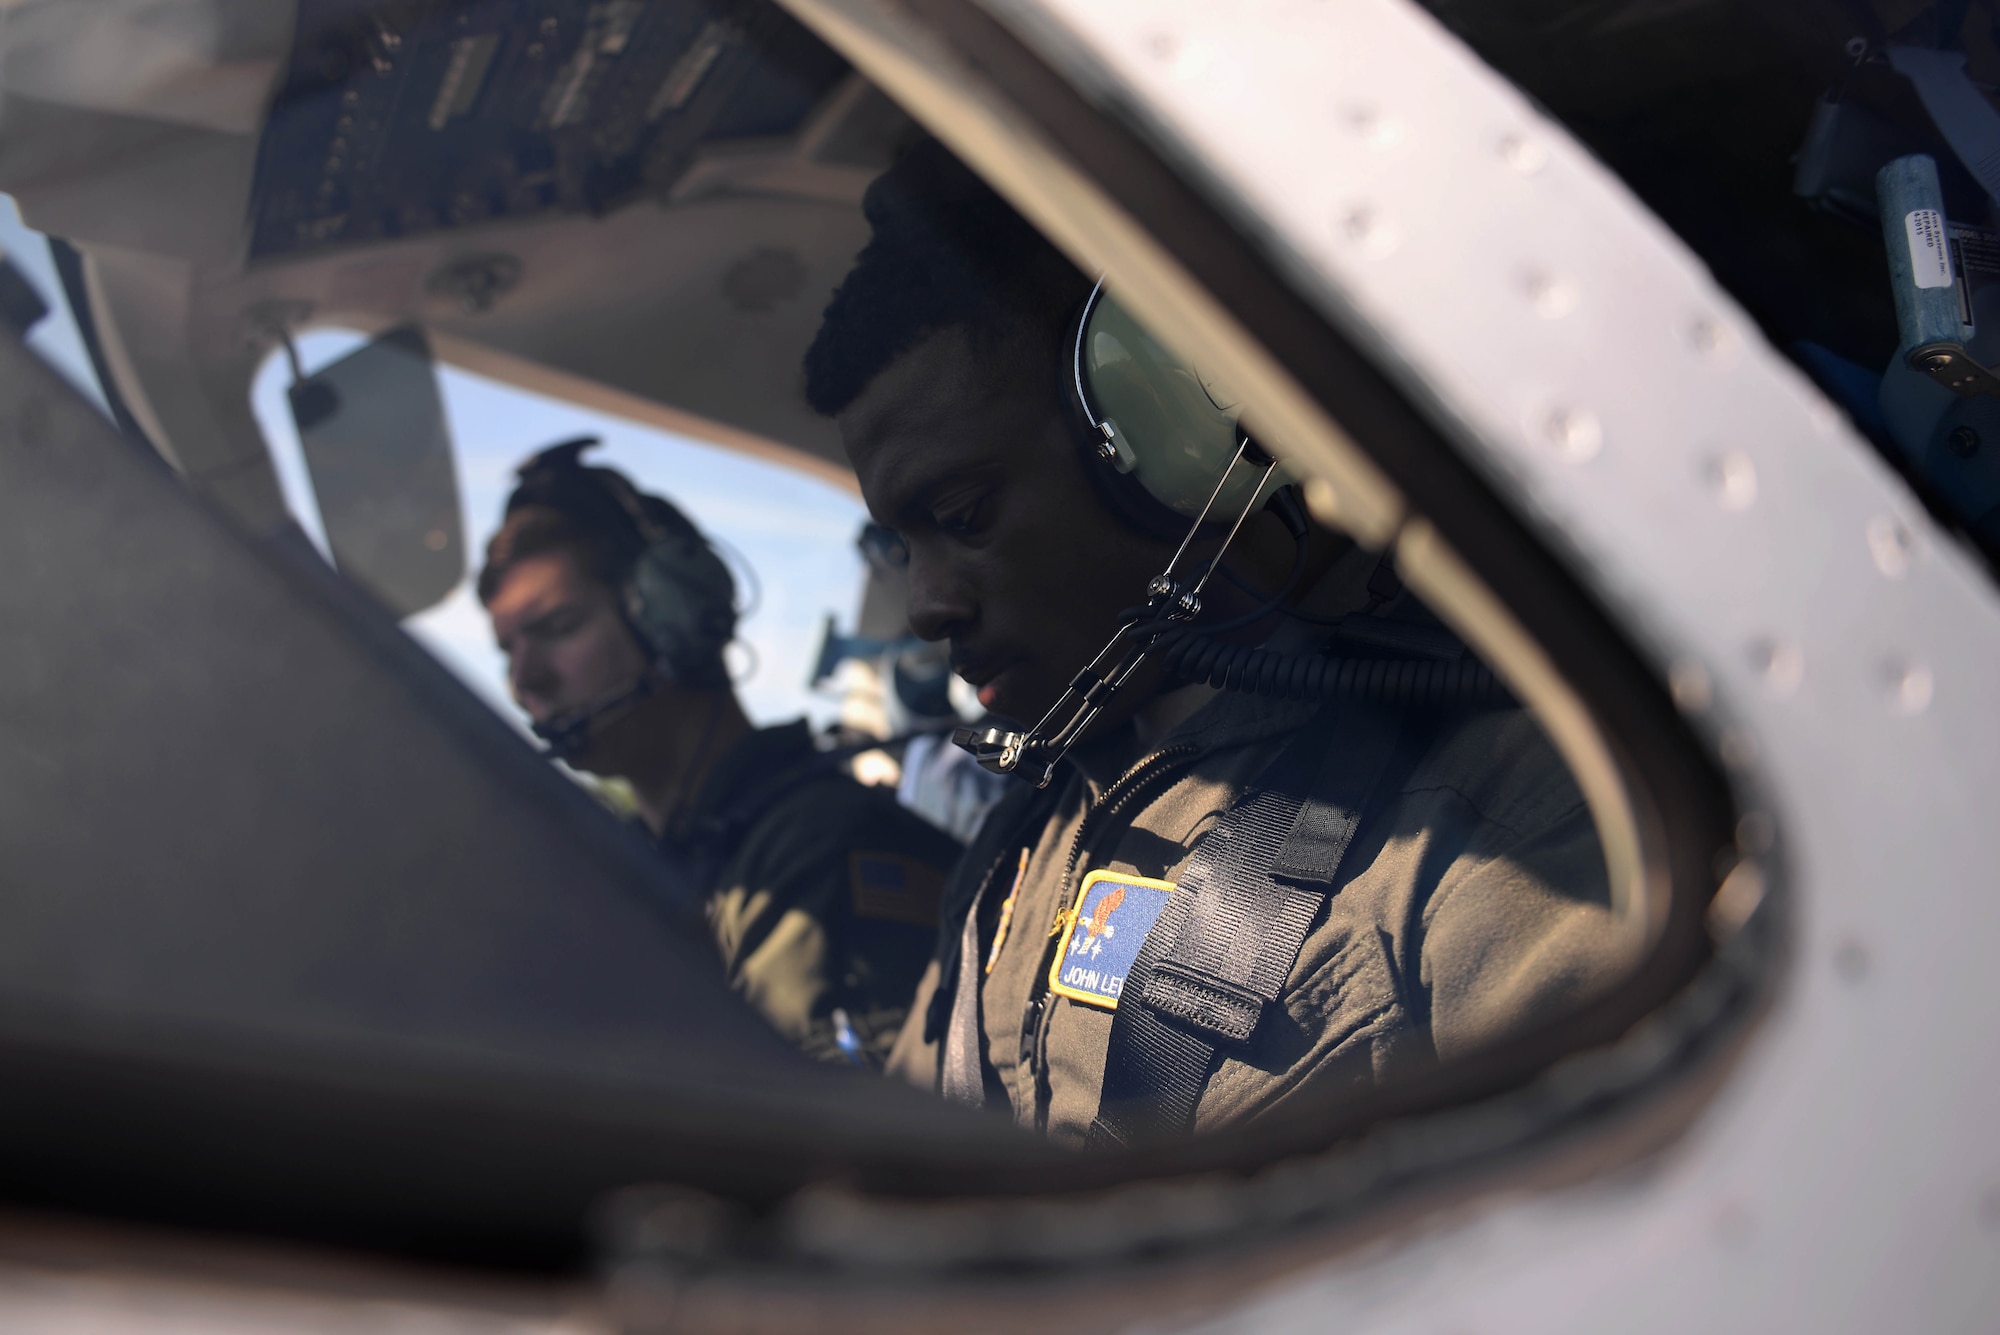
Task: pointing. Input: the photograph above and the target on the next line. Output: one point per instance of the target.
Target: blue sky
(795, 532)
(56, 337)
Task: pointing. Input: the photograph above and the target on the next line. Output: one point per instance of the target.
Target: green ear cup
(1166, 424)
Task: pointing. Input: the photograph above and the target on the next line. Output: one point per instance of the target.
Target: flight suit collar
(1200, 718)
(764, 756)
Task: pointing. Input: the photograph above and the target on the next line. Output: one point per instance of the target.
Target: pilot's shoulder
(847, 843)
(832, 812)
(1502, 765)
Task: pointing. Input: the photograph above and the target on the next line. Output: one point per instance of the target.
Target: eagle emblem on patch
(1106, 926)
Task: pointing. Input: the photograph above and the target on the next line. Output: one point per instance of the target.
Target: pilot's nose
(531, 679)
(940, 604)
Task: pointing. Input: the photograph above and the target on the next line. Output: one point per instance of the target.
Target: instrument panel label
(1930, 251)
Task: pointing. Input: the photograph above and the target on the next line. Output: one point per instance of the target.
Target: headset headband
(556, 478)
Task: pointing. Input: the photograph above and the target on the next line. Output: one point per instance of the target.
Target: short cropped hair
(946, 251)
(538, 530)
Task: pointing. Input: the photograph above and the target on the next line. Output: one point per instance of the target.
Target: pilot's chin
(1003, 698)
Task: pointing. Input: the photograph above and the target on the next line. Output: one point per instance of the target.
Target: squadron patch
(893, 888)
(1106, 926)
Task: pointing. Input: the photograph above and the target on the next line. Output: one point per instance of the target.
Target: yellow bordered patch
(1104, 930)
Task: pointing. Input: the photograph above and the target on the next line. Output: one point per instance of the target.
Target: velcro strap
(1318, 840)
(1220, 953)
(1215, 1008)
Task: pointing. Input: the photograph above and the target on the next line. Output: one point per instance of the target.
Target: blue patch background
(1094, 970)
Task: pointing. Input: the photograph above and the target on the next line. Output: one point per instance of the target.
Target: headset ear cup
(1118, 491)
(683, 608)
(1117, 484)
(1174, 439)
(632, 606)
(1121, 493)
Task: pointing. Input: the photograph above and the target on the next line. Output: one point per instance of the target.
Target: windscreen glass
(1014, 713)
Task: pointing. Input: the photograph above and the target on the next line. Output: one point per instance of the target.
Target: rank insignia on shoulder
(1105, 928)
(893, 888)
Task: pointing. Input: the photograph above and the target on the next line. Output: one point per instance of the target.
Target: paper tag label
(1930, 255)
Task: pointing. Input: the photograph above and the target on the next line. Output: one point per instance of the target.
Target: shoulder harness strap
(733, 821)
(1220, 954)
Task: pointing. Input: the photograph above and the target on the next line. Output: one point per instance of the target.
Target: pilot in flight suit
(613, 612)
(1431, 882)
(1471, 905)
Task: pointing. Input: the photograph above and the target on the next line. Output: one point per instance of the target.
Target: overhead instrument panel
(404, 118)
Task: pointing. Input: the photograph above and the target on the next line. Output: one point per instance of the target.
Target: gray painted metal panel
(1834, 646)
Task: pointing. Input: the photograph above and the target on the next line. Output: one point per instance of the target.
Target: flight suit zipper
(1035, 1018)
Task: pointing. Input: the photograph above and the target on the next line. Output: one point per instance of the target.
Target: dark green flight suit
(1473, 906)
(822, 892)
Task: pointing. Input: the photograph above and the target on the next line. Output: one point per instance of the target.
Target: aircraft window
(1231, 643)
(53, 335)
(788, 538)
(1137, 802)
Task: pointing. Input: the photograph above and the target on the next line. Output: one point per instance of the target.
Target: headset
(1171, 451)
(1162, 431)
(677, 598)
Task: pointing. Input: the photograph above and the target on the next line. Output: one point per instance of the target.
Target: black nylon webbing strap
(1217, 959)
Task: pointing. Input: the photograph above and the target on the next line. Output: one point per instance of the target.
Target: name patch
(1105, 928)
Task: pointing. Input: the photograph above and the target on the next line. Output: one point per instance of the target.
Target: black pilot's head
(950, 357)
(941, 359)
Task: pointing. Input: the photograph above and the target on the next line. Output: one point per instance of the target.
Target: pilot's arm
(1520, 937)
(832, 904)
(1517, 926)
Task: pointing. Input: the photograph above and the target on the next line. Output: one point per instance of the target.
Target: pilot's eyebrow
(920, 485)
(533, 625)
(905, 482)
(902, 486)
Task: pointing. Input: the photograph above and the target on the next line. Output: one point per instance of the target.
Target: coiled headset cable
(1164, 628)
